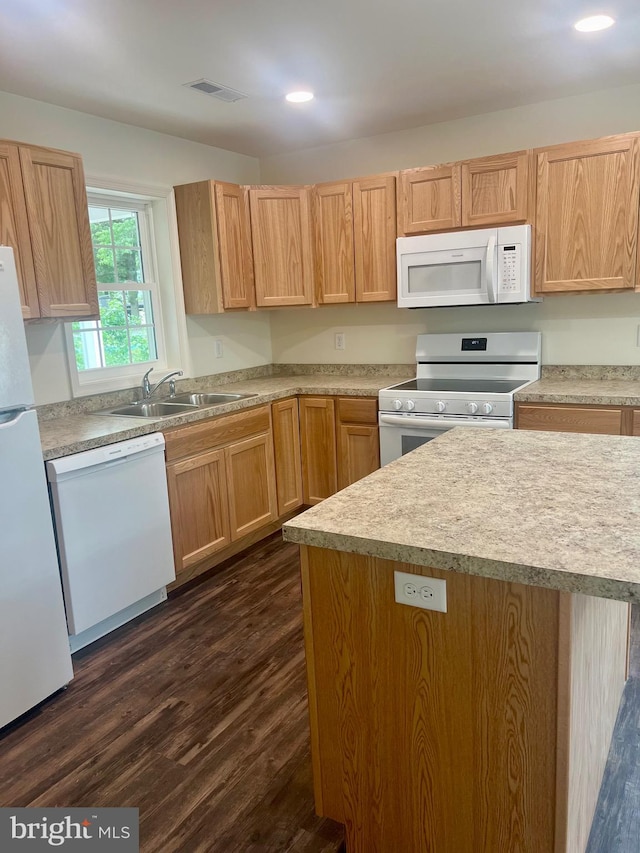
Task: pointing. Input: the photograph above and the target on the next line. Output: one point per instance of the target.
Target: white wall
(598, 329)
(121, 153)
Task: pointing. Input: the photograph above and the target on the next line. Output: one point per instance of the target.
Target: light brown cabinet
(221, 480)
(334, 244)
(214, 233)
(288, 460)
(319, 456)
(282, 245)
(358, 439)
(374, 233)
(475, 193)
(44, 218)
(588, 195)
(599, 420)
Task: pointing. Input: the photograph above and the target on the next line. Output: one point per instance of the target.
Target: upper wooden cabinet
(374, 232)
(44, 218)
(588, 194)
(215, 247)
(334, 249)
(282, 245)
(355, 240)
(474, 193)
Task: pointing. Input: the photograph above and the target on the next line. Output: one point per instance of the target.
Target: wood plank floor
(616, 823)
(196, 714)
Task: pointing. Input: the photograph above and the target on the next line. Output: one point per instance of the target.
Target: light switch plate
(420, 591)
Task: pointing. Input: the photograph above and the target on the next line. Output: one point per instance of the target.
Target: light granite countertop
(73, 433)
(555, 510)
(589, 392)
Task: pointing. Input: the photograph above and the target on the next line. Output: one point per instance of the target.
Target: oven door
(400, 434)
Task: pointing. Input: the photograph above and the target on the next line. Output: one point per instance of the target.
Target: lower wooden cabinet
(221, 481)
(288, 460)
(600, 420)
(340, 443)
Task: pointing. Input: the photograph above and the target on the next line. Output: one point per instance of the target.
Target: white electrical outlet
(219, 348)
(419, 591)
(339, 340)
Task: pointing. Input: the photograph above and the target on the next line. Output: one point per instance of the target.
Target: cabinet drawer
(358, 410)
(195, 438)
(588, 419)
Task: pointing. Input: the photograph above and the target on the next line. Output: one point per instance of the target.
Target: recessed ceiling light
(299, 97)
(594, 23)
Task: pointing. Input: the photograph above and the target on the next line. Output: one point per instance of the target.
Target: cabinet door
(429, 199)
(318, 440)
(199, 507)
(199, 258)
(358, 453)
(282, 253)
(286, 445)
(495, 190)
(587, 419)
(334, 251)
(588, 195)
(252, 484)
(374, 233)
(59, 224)
(14, 227)
(234, 244)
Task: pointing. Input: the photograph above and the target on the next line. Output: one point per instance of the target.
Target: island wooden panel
(432, 731)
(587, 419)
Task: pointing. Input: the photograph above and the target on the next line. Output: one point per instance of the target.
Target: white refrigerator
(34, 647)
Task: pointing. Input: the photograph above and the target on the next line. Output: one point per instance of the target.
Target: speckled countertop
(592, 385)
(73, 433)
(548, 509)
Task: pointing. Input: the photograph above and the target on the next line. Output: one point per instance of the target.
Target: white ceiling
(374, 65)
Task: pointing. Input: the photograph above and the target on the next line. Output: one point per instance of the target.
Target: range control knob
(486, 408)
(441, 406)
(472, 408)
(397, 405)
(409, 405)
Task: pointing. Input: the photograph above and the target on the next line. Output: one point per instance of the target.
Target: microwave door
(450, 277)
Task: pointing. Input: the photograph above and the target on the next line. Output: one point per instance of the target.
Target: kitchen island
(486, 728)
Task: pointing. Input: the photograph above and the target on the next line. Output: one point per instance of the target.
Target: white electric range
(461, 380)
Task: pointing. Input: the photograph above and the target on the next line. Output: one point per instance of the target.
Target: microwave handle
(490, 269)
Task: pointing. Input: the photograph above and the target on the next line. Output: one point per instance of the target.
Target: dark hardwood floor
(196, 714)
(616, 823)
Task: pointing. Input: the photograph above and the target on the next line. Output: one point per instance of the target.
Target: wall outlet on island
(219, 348)
(419, 591)
(339, 340)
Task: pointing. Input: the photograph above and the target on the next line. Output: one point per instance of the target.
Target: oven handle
(490, 268)
(437, 423)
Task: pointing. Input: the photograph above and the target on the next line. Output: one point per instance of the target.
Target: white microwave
(488, 266)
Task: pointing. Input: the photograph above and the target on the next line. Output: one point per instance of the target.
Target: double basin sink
(179, 404)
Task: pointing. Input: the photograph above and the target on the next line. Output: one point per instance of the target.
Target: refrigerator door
(34, 647)
(16, 391)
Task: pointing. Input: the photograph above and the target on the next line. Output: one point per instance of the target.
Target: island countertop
(555, 510)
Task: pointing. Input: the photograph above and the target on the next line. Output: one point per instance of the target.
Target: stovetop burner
(470, 386)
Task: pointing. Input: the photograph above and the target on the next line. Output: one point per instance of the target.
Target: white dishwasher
(113, 530)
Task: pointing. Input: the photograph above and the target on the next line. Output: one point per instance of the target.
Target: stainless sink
(146, 409)
(203, 400)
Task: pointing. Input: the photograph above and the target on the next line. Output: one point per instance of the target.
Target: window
(127, 339)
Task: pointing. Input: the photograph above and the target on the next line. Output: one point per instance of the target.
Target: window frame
(101, 379)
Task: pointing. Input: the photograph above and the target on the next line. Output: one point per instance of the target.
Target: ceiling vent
(222, 93)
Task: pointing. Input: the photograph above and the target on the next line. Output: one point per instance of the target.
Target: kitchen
(585, 330)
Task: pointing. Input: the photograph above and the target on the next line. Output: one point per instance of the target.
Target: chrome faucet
(148, 389)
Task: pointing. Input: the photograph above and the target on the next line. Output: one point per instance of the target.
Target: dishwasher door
(113, 529)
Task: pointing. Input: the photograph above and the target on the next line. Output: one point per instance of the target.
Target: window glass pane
(112, 310)
(105, 265)
(100, 228)
(128, 265)
(139, 307)
(125, 228)
(143, 344)
(88, 350)
(115, 345)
